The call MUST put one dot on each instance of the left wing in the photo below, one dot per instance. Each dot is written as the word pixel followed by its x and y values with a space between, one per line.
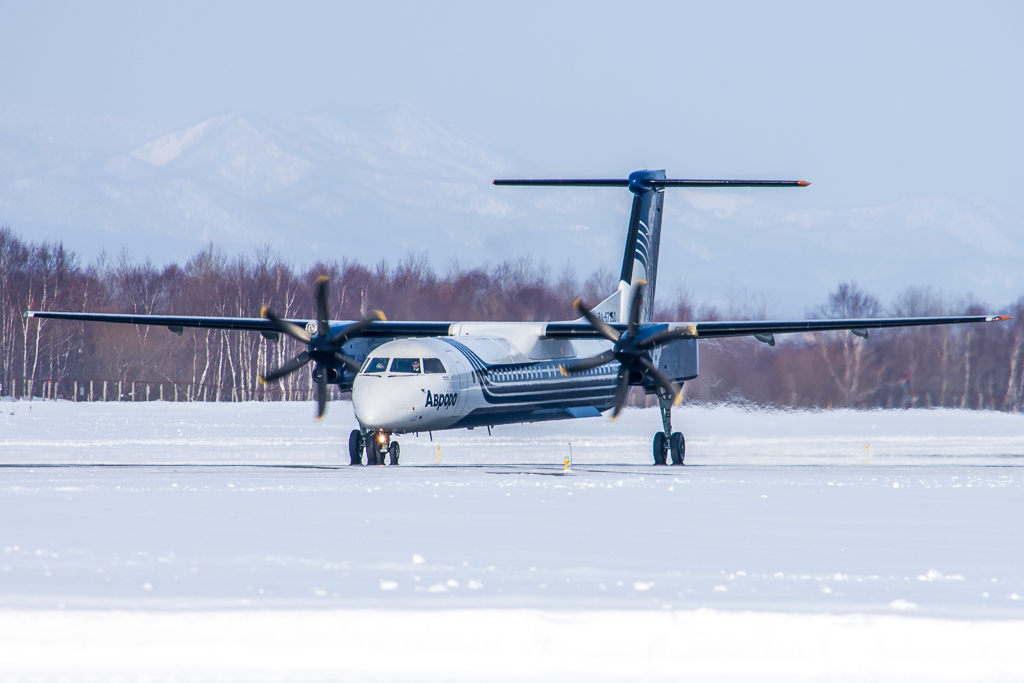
pixel 762 328
pixel 719 329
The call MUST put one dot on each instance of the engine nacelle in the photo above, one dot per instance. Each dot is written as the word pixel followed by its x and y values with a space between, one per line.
pixel 678 359
pixel 334 375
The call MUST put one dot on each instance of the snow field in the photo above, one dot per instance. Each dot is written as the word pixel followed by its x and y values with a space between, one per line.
pixel 501 645
pixel 228 542
pixel 209 433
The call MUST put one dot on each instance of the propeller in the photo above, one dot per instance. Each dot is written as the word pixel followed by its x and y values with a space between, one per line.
pixel 322 348
pixel 629 350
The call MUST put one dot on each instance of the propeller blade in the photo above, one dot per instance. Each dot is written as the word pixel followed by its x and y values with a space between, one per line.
pixel 621 390
pixel 286 369
pixel 587 363
pixel 354 329
pixel 321 394
pixel 662 379
pixel 688 332
pixel 345 360
pixel 322 326
pixel 636 300
pixel 602 327
pixel 291 329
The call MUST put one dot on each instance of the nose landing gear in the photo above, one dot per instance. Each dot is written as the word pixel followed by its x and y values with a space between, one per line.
pixel 378 446
pixel 668 443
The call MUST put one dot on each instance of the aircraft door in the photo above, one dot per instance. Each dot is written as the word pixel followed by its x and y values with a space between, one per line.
pixel 458 369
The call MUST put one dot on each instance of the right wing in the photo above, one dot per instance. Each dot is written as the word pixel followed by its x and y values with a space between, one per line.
pixel 176 323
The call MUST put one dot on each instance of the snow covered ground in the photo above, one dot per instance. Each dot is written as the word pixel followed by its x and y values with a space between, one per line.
pixel 231 542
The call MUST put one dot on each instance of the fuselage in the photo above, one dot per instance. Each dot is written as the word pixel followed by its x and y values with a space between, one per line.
pixel 471 380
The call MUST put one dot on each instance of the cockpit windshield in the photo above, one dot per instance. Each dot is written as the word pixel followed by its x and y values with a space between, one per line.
pixel 433 366
pixel 376 365
pixel 410 365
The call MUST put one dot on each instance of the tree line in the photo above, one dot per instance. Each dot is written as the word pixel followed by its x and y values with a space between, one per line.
pixel 967 366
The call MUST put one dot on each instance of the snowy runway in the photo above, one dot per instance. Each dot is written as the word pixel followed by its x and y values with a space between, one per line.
pixel 846 530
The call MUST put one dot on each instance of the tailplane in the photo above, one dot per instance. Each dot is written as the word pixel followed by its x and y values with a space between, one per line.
pixel 643 239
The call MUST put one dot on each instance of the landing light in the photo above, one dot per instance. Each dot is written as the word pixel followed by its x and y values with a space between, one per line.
pixel 380 438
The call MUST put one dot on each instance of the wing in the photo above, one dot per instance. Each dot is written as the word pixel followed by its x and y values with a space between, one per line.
pixel 559 330
pixel 764 328
pixel 176 323
pixel 719 329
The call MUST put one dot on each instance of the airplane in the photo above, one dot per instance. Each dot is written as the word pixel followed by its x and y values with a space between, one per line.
pixel 411 377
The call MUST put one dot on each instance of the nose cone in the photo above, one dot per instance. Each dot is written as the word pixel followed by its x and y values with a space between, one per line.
pixel 382 403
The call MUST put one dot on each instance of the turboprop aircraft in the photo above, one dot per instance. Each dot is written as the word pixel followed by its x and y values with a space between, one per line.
pixel 429 376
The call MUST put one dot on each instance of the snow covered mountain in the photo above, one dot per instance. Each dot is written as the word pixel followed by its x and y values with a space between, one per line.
pixel 384 183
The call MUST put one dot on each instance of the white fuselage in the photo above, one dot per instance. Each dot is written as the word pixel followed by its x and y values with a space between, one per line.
pixel 486 375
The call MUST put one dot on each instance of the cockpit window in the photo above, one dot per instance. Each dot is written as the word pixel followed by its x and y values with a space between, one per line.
pixel 406 365
pixel 376 365
pixel 433 366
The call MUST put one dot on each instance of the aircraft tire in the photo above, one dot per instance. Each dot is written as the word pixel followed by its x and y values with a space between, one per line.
pixel 660 448
pixel 394 450
pixel 677 446
pixel 355 447
pixel 372 451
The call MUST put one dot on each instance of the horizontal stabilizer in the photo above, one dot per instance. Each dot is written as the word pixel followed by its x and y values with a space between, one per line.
pixel 668 182
pixel 568 182
pixel 654 183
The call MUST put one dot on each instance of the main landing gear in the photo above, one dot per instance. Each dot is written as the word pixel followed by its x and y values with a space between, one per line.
pixel 378 446
pixel 668 443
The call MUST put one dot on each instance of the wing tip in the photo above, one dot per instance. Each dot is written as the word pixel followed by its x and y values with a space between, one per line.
pixel 998 318
pixel 803 183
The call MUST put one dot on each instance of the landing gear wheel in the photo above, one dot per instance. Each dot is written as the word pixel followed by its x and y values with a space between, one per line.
pixel 355 447
pixel 373 450
pixel 660 448
pixel 677 444
pixel 394 450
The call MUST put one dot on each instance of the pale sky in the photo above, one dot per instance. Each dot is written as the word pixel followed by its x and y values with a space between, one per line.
pixel 872 102
pixel 892 110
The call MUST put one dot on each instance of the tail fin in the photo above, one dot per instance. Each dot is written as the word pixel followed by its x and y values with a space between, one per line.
pixel 640 260
pixel 643 241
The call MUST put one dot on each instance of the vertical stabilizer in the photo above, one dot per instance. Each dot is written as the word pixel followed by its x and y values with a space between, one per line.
pixel 643 240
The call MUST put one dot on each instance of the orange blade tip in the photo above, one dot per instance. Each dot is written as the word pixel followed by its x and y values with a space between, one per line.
pixel 803 183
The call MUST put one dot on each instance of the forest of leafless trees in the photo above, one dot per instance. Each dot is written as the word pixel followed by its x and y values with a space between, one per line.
pixel 970 366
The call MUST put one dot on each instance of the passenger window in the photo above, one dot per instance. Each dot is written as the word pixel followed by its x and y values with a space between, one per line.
pixel 433 366
pixel 376 365
pixel 410 365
